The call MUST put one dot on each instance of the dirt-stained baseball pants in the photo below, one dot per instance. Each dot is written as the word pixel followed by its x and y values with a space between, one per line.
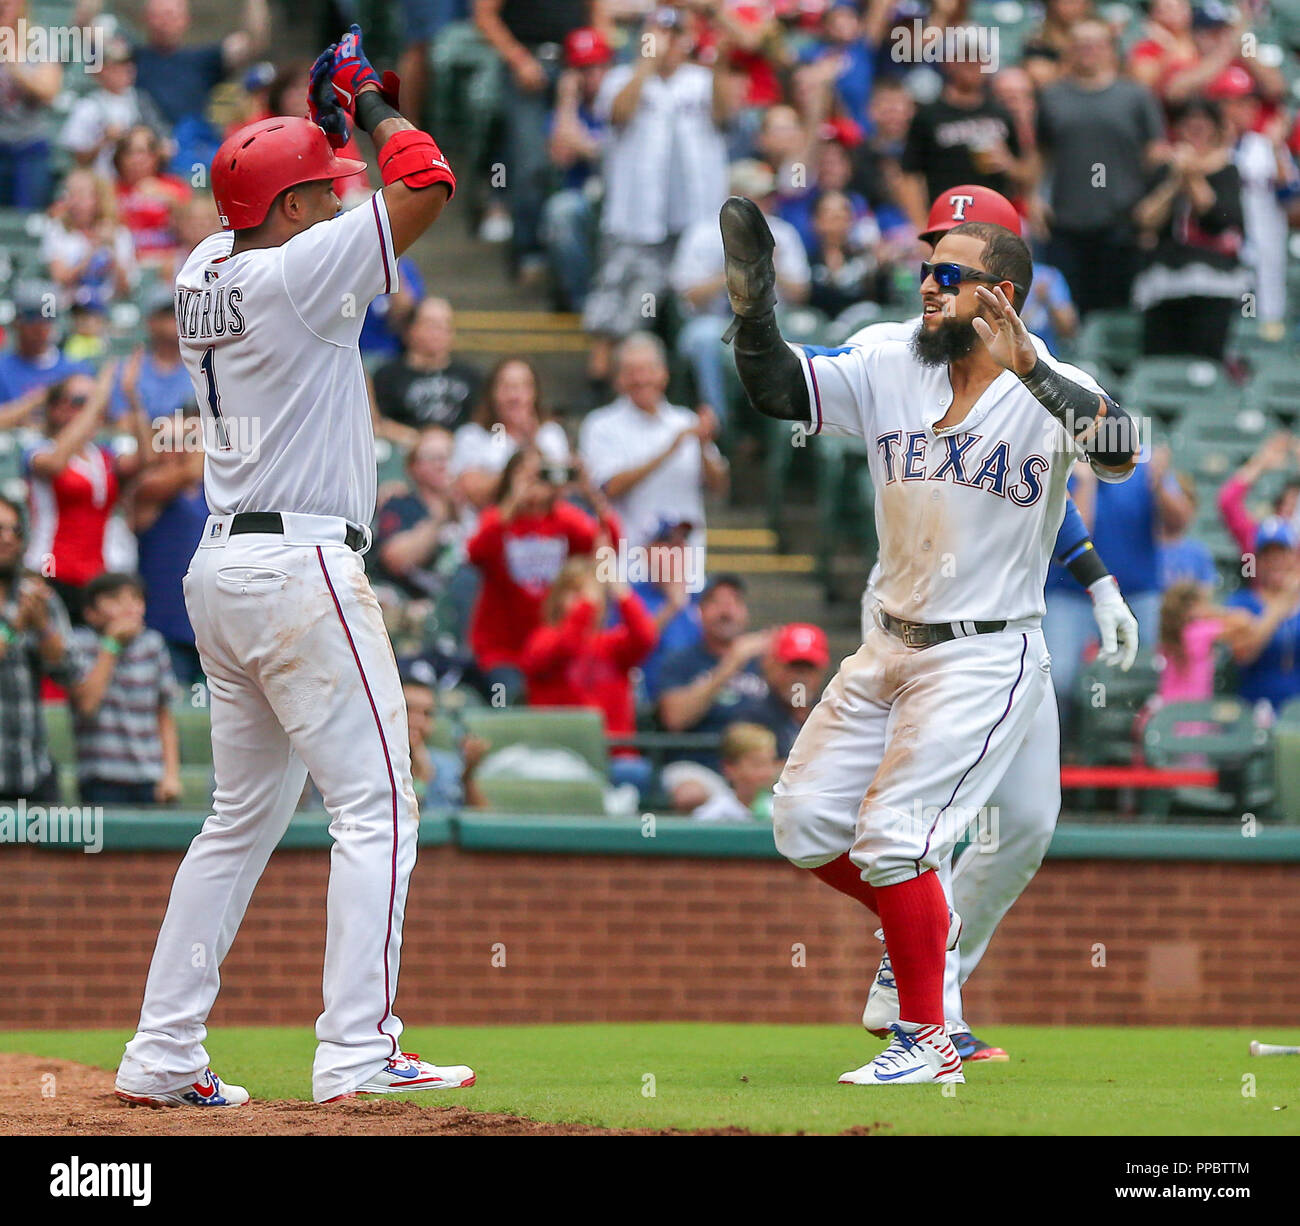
pixel 904 749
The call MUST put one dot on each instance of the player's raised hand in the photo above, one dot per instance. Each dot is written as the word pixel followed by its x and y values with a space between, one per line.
pixel 1006 337
pixel 350 70
pixel 323 106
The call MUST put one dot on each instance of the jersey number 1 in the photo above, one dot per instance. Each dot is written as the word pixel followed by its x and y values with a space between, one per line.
pixel 214 401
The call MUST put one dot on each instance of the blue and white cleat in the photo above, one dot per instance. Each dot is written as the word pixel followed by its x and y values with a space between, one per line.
pixel 922 1057
pixel 881 1011
pixel 208 1091
pixel 406 1073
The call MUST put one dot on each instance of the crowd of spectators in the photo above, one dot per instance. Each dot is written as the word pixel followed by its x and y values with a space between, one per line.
pixel 1152 160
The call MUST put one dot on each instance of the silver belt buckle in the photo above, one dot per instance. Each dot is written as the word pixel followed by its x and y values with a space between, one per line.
pixel 914 635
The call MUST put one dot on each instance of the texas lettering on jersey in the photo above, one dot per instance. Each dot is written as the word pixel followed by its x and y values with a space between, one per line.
pixel 966 459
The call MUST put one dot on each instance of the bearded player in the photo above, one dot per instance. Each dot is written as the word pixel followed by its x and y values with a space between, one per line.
pixel 299 665
pixel 987 879
pixel 971 434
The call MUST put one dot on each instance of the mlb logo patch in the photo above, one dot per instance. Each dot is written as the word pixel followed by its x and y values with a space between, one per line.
pixel 216 530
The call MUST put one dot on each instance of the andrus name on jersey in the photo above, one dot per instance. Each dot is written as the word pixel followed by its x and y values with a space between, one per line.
pixel 204 314
pixel 963 461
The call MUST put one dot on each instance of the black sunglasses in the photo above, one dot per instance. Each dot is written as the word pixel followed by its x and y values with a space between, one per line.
pixel 948 277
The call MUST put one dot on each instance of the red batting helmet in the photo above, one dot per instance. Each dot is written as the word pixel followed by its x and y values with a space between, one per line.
pixel 969 202
pixel 255 164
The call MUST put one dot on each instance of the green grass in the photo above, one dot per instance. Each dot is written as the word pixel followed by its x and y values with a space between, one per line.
pixel 1112 1080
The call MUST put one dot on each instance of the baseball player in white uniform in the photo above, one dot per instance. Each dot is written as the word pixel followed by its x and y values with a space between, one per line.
pixel 301 672
pixel 971 434
pixel 986 881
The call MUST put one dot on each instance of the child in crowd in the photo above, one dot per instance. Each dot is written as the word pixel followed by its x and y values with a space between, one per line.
pixel 128 752
pixel 1190 626
pixel 750 767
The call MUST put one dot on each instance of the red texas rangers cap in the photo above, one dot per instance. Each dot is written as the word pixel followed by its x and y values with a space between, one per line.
pixel 586 46
pixel 969 202
pixel 801 643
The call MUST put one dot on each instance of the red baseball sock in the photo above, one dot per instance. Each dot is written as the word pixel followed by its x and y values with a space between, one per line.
pixel 845 876
pixel 914 915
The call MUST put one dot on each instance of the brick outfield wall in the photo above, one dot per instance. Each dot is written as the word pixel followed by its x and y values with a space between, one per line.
pixel 620 938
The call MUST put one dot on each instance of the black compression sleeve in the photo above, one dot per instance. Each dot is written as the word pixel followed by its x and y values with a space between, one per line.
pixel 1109 436
pixel 769 372
pixel 372 110
pixel 1086 566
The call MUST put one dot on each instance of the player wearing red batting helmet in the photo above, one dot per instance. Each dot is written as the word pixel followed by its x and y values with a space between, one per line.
pixel 269 312
pixel 969 202
pixel 255 164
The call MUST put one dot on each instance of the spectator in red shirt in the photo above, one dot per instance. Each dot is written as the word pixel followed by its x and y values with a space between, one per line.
pixel 574 660
pixel 147 198
pixel 74 483
pixel 522 542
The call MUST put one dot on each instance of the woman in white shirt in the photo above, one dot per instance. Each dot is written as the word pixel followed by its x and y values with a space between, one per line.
pixel 90 256
pixel 510 416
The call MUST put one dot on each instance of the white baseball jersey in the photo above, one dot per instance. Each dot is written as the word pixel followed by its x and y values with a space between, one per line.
pixel 270 338
pixel 977 547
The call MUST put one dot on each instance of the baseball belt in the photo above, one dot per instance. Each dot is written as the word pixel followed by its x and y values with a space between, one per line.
pixel 924 634
pixel 270 521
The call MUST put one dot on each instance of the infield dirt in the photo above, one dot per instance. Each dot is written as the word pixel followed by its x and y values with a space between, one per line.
pixel 41 1097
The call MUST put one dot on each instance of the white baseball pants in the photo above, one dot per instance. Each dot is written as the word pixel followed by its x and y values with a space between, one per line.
pixel 302 679
pixel 905 748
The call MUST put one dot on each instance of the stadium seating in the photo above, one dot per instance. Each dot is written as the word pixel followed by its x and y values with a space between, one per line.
pixel 578 729
pixel 1222 733
pixel 1168 388
pixel 1108 701
pixel 1113 338
pixel 1286 763
pixel 573 797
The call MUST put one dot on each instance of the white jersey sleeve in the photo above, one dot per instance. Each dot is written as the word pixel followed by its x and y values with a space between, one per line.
pixel 840 397
pixel 334 270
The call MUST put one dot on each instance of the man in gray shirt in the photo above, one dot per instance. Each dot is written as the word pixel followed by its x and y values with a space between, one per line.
pixel 1097 135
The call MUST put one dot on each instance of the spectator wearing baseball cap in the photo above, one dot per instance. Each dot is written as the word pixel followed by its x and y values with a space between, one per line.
pixel 1270 181
pixel 1094 116
pixel 1265 636
pixel 719 680
pixel 1273 455
pixel 795 671
pixel 36 360
pixel 576 139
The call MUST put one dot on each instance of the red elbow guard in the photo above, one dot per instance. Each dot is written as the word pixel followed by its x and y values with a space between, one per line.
pixel 414 158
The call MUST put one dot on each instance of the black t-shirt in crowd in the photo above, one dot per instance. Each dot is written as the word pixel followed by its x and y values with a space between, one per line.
pixel 943 140
pixel 544 21
pixel 422 398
